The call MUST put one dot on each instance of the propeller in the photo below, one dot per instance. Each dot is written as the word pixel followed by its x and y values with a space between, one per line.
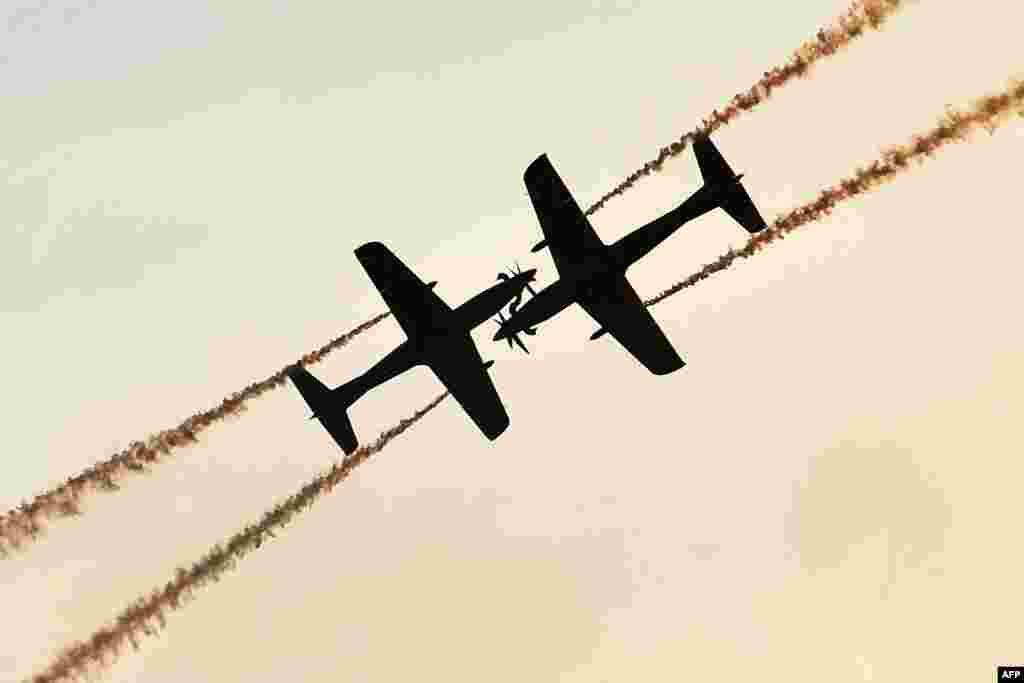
pixel 500 320
pixel 517 273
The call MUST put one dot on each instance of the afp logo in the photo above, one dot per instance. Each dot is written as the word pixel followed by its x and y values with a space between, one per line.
pixel 1014 674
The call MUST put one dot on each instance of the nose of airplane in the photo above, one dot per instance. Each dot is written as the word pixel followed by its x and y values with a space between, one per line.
pixel 498 336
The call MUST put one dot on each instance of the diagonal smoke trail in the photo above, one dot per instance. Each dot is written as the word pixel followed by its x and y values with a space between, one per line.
pixel 862 15
pixel 78 660
pixel 989 112
pixel 25 523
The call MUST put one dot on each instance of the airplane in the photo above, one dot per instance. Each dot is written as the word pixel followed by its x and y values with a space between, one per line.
pixel 593 274
pixel 437 336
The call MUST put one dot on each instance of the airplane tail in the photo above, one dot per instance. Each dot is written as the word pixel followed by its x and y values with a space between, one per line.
pixel 330 407
pixel 735 202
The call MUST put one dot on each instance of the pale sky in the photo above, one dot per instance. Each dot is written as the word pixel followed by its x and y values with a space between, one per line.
pixel 831 483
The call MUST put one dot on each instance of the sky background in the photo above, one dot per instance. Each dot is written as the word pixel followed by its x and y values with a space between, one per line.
pixel 831 483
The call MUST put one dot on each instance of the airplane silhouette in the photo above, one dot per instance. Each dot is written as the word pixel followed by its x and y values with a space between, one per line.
pixel 593 274
pixel 437 336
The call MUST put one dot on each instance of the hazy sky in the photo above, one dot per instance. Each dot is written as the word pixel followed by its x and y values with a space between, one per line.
pixel 832 482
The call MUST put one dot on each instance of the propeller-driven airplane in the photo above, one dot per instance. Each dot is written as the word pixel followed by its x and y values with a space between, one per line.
pixel 437 336
pixel 593 274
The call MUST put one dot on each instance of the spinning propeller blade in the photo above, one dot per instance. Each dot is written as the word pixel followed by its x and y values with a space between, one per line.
pixel 519 271
pixel 512 337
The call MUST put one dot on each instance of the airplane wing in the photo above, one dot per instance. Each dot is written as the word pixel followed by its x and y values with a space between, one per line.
pixel 715 169
pixel 620 312
pixel 413 303
pixel 461 370
pixel 566 229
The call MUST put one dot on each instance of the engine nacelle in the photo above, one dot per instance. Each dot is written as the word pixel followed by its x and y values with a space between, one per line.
pixel 540 245
pixel 597 334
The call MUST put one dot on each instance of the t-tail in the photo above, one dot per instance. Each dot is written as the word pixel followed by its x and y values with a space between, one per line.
pixel 330 407
pixel 734 200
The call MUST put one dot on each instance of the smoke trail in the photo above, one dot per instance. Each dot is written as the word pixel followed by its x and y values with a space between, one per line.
pixel 862 15
pixel 25 523
pixel 955 126
pixel 77 660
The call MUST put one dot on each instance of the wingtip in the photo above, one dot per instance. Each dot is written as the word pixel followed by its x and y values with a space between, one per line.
pixel 369 247
pixel 493 435
pixel 535 165
pixel 669 369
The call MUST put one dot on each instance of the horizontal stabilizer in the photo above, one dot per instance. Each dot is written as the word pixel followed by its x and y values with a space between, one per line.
pixel 739 205
pixel 716 171
pixel 327 407
pixel 339 426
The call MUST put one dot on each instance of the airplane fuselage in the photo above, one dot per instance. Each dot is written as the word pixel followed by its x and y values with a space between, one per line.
pixel 485 305
pixel 436 335
pixel 594 270
pixel 643 240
